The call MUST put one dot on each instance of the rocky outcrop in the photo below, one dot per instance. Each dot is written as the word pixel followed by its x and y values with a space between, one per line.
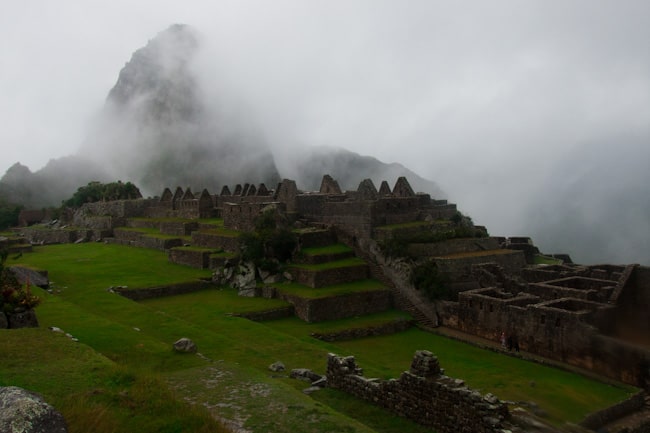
pixel 23 411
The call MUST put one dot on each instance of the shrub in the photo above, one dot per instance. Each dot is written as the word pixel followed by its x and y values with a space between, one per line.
pixel 269 244
pixel 426 278
pixel 12 294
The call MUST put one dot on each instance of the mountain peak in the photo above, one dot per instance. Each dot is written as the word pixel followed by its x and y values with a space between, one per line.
pixel 158 77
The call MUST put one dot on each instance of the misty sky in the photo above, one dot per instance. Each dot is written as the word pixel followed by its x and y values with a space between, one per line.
pixel 503 103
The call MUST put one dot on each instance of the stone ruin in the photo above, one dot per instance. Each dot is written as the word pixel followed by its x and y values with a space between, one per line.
pixel 423 394
pixel 581 315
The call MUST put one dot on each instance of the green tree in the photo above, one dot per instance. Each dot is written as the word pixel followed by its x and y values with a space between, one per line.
pixel 9 214
pixel 269 244
pixel 429 280
pixel 97 191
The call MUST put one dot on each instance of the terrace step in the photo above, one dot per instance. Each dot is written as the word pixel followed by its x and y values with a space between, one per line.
pixel 215 240
pixel 143 239
pixel 333 302
pixel 330 273
pixel 311 238
pixel 314 256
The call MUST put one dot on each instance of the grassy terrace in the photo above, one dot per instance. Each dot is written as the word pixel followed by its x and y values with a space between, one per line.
pixel 324 292
pixel 352 261
pixel 329 249
pixel 122 375
pixel 540 259
pixel 154 233
pixel 478 254
pixel 405 225
pixel 222 231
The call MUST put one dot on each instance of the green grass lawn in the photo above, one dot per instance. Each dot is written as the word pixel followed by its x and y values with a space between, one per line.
pixel 329 249
pixel 352 261
pixel 540 259
pixel 125 348
pixel 327 291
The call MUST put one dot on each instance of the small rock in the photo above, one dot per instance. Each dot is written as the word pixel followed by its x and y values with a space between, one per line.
pixel 277 366
pixel 311 389
pixel 320 383
pixel 491 398
pixel 185 345
pixel 304 374
pixel 287 276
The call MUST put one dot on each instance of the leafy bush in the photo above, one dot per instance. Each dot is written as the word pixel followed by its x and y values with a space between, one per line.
pixel 269 244
pixel 12 294
pixel 426 278
pixel 97 191
pixel 9 214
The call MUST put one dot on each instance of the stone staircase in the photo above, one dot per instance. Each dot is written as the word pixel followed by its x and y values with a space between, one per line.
pixel 400 301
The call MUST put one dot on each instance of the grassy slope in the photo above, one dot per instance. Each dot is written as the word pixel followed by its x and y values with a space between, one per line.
pixel 236 383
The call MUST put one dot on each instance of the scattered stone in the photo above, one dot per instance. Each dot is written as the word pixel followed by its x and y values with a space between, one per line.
pixel 136 329
pixel 305 374
pixel 277 366
pixel 23 411
pixel 287 276
pixel 311 389
pixel 321 383
pixel 185 345
pixel 491 398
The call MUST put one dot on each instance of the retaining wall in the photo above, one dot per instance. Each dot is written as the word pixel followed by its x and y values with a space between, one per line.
pixel 336 307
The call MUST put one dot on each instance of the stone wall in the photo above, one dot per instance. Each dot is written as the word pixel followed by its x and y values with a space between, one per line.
pixel 199 259
pixel 423 395
pixel 216 241
pixel 596 420
pixel 328 277
pixel 452 246
pixel 336 307
pixel 58 236
pixel 562 329
pixel 370 331
pixel 160 291
pixel 459 268
pixel 261 316
pixel 634 304
pixel 178 228
pixel 316 238
pixel 118 210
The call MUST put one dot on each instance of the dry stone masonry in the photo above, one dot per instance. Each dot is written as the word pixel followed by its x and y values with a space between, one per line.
pixel 423 394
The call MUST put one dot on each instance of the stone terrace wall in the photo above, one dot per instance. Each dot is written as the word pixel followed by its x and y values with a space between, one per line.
pixel 423 395
pixel 216 241
pixel 336 307
pixel 452 246
pixel 370 331
pixel 596 420
pixel 170 290
pixel 62 236
pixel 328 277
pixel 199 259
